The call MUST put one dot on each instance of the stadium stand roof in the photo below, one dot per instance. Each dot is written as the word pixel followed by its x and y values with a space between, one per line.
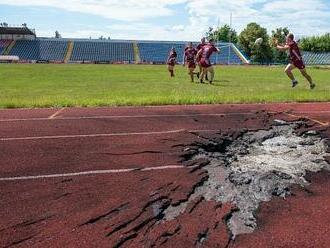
pixel 16 31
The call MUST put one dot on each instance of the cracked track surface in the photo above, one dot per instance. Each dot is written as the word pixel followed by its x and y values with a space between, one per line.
pixel 131 209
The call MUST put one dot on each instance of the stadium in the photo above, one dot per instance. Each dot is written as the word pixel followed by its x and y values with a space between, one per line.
pixel 31 49
pixel 108 143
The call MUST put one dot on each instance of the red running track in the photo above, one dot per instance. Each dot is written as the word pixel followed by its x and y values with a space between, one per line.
pixel 110 206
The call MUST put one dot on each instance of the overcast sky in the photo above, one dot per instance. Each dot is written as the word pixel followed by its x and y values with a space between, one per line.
pixel 162 19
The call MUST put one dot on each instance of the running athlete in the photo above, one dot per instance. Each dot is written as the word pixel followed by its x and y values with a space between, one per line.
pixel 198 48
pixel 205 54
pixel 190 59
pixel 296 60
pixel 171 61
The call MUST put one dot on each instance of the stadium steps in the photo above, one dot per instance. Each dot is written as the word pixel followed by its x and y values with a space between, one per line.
pixel 137 57
pixel 8 49
pixel 69 52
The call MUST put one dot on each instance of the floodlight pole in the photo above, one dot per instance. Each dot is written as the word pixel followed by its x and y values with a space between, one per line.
pixel 230 25
pixel 217 42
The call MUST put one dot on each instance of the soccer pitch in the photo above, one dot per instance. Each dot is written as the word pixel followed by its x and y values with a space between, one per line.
pixel 48 85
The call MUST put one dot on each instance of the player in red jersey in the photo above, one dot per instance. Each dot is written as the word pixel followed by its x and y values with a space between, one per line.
pixel 296 60
pixel 203 43
pixel 190 59
pixel 198 48
pixel 205 54
pixel 171 61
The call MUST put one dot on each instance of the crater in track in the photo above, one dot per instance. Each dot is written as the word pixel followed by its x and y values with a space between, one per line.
pixel 252 168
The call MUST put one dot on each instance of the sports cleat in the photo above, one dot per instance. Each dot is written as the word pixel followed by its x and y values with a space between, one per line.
pixel 294 84
pixel 313 86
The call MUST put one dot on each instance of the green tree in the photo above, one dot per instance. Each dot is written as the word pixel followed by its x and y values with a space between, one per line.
pixel 316 43
pixel 223 34
pixel 57 35
pixel 258 53
pixel 280 35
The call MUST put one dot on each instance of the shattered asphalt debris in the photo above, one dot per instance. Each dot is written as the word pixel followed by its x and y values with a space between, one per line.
pixel 252 168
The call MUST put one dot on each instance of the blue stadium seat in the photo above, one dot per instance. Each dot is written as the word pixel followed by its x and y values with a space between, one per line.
pixel 102 51
pixel 3 45
pixel 110 51
pixel 157 52
pixel 313 58
pixel 40 49
pixel 227 55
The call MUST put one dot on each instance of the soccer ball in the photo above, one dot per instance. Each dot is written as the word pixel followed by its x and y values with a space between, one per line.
pixel 259 41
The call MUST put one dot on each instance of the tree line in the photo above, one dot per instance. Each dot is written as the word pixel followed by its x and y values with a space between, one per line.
pixel 266 52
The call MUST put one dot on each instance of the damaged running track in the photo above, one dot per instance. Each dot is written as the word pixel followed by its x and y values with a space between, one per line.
pixel 135 209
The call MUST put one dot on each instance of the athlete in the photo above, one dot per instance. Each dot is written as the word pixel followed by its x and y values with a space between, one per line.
pixel 190 59
pixel 205 54
pixel 198 48
pixel 296 60
pixel 171 61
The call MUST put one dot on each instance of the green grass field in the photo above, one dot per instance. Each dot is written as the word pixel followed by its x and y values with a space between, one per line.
pixel 43 85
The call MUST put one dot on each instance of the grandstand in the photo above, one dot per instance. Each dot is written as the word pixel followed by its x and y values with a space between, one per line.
pixel 157 52
pixel 23 43
pixel 228 55
pixel 102 51
pixel 17 33
pixel 3 45
pixel 115 51
pixel 30 49
pixel 313 58
pixel 40 50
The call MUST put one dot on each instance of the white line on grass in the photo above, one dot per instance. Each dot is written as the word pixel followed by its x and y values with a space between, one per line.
pixel 95 172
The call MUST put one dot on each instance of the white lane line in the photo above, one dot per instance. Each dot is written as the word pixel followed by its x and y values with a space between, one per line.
pixel 95 172
pixel 91 135
pixel 129 116
pixel 56 113
pixel 324 124
pixel 155 116
pixel 107 135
